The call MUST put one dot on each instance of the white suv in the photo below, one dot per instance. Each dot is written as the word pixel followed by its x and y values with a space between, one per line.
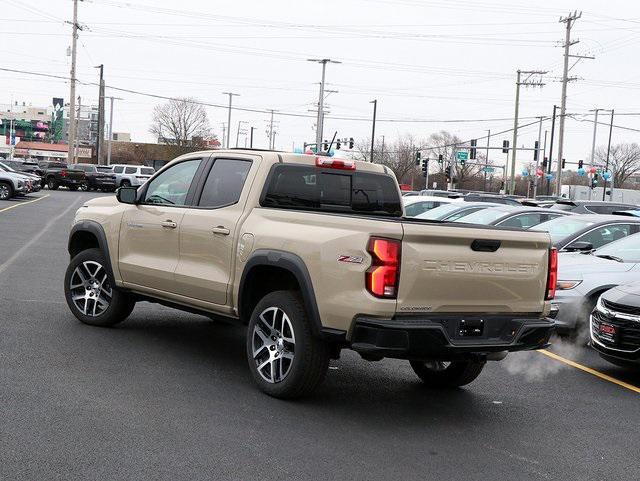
pixel 132 175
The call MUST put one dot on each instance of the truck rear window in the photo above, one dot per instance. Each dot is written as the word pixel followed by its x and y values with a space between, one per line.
pixel 292 186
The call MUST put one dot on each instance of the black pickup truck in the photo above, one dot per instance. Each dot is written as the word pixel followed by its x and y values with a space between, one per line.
pixel 59 174
pixel 98 178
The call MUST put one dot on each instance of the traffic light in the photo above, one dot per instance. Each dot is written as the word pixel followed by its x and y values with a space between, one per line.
pixel 536 146
pixel 418 155
pixel 337 143
pixel 564 162
pixel 447 174
pixel 325 145
pixel 544 163
pixel 505 146
pixel 351 142
pixel 594 181
pixel 425 165
pixel 580 164
pixel 462 161
pixel 472 151
pixel 440 158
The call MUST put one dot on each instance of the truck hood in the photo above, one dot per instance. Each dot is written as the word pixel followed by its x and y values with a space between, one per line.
pixel 575 265
pixel 107 201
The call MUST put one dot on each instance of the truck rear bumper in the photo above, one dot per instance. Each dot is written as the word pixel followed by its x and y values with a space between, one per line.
pixel 448 337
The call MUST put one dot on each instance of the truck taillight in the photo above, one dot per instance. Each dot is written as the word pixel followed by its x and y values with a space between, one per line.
pixel 63 173
pixel 340 164
pixel 384 274
pixel 552 276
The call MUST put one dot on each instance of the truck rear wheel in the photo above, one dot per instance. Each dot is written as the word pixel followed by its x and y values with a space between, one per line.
pixel 52 184
pixel 285 359
pixel 89 293
pixel 447 374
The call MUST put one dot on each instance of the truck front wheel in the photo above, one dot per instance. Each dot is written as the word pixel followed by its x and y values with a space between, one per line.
pixel 285 359
pixel 447 374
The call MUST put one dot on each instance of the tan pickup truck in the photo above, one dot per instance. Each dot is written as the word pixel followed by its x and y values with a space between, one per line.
pixel 314 255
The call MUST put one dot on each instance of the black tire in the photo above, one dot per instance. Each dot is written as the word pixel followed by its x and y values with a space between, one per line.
pixel 453 374
pixel 125 183
pixel 120 305
pixel 52 184
pixel 85 187
pixel 6 191
pixel 310 360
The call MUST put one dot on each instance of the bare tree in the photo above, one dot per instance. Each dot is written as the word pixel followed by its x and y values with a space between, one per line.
pixel 624 161
pixel 181 122
pixel 399 156
pixel 442 143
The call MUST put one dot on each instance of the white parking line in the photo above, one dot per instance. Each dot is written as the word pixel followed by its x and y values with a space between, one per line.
pixel 25 203
pixel 37 237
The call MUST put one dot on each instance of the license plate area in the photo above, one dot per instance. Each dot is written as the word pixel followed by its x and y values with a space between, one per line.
pixel 470 328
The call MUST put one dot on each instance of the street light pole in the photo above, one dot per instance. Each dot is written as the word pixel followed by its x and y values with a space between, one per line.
pixel 373 127
pixel 231 95
pixel 606 168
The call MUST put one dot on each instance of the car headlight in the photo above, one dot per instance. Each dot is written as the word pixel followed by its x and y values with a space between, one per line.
pixel 566 285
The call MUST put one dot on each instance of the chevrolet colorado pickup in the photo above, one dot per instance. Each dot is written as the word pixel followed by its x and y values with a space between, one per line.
pixel 314 255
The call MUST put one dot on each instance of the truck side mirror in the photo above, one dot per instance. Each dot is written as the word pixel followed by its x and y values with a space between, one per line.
pixel 127 195
pixel 579 246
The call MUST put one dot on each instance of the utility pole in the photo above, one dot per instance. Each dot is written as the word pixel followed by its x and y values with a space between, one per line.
pixel 486 160
pixel 231 95
pixel 373 129
pixel 77 141
pixel 271 134
pixel 251 138
pixel 320 121
pixel 100 136
pixel 240 122
pixel 550 159
pixel 569 20
pixel 72 94
pixel 606 167
pixel 526 83
pixel 110 128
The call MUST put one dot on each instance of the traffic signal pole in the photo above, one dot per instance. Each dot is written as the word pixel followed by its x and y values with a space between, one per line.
pixel 606 168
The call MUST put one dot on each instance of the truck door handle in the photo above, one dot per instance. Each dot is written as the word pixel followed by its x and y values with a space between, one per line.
pixel 220 230
pixel 169 224
pixel 485 245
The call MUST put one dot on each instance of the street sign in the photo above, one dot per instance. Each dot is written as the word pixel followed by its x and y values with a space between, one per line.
pixel 489 170
pixel 462 155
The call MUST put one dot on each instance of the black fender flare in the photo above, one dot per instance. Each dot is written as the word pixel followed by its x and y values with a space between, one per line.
pixel 296 266
pixel 98 231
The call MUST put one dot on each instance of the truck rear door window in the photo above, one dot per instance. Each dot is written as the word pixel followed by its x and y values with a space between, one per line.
pixel 306 187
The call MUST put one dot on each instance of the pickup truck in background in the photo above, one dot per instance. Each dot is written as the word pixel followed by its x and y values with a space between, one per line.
pixel 315 255
pixel 59 174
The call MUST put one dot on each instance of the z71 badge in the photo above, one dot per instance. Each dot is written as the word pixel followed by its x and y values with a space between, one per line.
pixel 350 259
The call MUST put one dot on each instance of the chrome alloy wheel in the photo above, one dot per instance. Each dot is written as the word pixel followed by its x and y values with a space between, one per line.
pixel 4 192
pixel 273 344
pixel 90 289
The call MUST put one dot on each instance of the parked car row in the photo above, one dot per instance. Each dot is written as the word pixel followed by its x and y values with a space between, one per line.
pixel 18 177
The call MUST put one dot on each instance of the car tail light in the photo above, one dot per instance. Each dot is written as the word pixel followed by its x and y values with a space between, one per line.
pixel 384 274
pixel 340 164
pixel 552 275
pixel 63 173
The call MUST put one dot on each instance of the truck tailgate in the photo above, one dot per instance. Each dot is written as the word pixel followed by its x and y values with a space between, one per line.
pixel 448 268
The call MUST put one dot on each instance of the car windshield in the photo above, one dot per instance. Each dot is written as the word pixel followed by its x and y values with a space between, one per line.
pixel 562 227
pixel 5 167
pixel 439 213
pixel 627 249
pixel 485 216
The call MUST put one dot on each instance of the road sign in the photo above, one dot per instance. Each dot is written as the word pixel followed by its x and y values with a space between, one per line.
pixel 462 155
pixel 489 170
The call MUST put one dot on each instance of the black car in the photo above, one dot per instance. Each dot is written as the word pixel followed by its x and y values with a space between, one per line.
pixel 591 206
pixel 615 324
pixel 97 179
pixel 24 166
pixel 588 231
pixel 510 216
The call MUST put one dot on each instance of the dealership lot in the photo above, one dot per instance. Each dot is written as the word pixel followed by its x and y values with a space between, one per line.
pixel 167 395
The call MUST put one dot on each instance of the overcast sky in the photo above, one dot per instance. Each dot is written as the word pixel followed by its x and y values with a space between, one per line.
pixel 422 60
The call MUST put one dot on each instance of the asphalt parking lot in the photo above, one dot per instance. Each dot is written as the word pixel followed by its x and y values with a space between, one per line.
pixel 167 395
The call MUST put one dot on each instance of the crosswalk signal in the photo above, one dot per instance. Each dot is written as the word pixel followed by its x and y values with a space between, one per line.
pixel 505 146
pixel 472 151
